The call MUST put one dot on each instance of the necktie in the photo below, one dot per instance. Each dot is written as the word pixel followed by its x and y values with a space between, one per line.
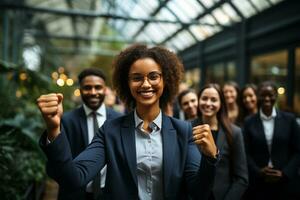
pixel 97 179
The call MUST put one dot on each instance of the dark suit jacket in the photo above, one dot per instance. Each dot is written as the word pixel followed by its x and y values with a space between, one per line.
pixel 231 178
pixel 74 123
pixel 114 145
pixel 285 151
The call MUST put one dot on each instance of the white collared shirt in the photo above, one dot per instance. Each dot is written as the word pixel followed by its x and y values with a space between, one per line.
pixel 268 125
pixel 101 117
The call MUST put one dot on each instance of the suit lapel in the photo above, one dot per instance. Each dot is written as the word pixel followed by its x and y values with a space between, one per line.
pixel 169 143
pixel 277 130
pixel 83 126
pixel 220 139
pixel 261 133
pixel 108 113
pixel 128 141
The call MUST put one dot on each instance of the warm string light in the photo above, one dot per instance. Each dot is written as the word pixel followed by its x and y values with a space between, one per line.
pixel 60 78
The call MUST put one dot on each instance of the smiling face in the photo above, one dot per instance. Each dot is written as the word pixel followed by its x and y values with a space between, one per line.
pixel 230 94
pixel 146 83
pixel 92 90
pixel 267 97
pixel 189 105
pixel 250 99
pixel 209 103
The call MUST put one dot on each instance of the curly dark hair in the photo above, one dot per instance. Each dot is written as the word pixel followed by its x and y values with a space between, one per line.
pixel 172 72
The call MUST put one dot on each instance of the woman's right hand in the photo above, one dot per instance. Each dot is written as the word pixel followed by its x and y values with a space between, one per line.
pixel 51 108
pixel 203 138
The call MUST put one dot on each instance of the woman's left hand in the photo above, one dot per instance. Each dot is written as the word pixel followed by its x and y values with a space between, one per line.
pixel 203 138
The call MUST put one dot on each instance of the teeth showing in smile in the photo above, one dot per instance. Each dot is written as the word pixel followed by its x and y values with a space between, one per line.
pixel 146 93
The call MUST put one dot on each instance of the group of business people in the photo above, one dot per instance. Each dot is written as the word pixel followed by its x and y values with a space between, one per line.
pixel 272 140
pixel 148 154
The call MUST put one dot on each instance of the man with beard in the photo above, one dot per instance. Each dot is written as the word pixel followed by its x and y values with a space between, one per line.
pixel 80 124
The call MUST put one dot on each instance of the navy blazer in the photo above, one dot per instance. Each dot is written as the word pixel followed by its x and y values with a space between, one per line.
pixel 114 145
pixel 285 150
pixel 74 123
pixel 231 180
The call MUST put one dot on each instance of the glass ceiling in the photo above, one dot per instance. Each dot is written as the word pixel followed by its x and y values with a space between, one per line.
pixel 176 24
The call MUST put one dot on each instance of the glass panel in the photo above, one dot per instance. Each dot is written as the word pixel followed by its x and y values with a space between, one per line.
pixel 215 73
pixel 150 6
pixel 297 83
pixel 261 5
pixel 275 1
pixel 131 28
pixel 157 33
pixel 183 40
pixel 221 17
pixel 181 10
pixel 192 78
pixel 231 12
pixel 245 7
pixel 143 37
pixel 208 3
pixel 198 32
pixel 231 70
pixel 208 19
pixel 165 14
pixel 271 66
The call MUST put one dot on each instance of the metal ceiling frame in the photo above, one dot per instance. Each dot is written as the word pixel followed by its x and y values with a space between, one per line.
pixel 91 14
pixel 184 27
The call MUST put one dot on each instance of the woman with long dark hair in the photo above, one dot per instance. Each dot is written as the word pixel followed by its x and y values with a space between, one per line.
pixel 231 177
pixel 248 101
pixel 231 93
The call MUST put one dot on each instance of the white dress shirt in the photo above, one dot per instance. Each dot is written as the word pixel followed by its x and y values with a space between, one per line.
pixel 268 125
pixel 101 117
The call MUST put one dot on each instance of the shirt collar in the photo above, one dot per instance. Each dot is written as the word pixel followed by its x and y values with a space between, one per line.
pixel 264 117
pixel 156 122
pixel 100 111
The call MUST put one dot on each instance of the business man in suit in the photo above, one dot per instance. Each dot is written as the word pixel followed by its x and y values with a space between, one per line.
pixel 272 140
pixel 79 127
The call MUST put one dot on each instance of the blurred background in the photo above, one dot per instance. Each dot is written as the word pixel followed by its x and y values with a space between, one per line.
pixel 44 44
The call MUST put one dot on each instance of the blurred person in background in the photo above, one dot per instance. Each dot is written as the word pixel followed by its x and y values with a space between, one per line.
pixel 231 93
pixel 188 102
pixel 177 112
pixel 272 140
pixel 231 179
pixel 112 101
pixel 249 100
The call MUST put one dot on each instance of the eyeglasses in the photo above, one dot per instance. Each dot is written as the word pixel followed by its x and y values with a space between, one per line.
pixel 153 78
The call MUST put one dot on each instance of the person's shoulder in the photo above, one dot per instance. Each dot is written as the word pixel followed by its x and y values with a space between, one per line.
pixel 73 113
pixel 236 131
pixel 113 113
pixel 179 124
pixel 251 118
pixel 118 120
pixel 235 128
pixel 285 114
